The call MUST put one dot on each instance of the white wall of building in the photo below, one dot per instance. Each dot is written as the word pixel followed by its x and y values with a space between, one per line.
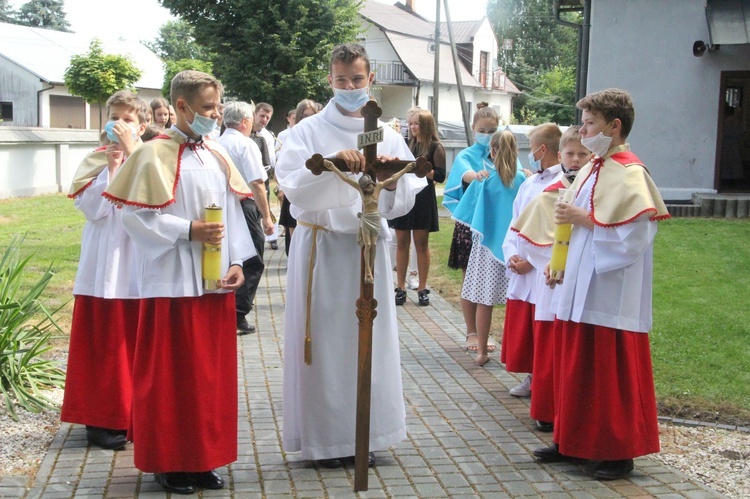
pixel 40 161
pixel 645 47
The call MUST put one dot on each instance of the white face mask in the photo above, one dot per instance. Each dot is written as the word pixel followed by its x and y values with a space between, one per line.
pixel 598 144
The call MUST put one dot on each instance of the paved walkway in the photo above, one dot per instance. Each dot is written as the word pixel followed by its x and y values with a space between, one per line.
pixel 466 436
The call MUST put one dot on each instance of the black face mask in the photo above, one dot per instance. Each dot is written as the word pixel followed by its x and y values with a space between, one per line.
pixel 570 175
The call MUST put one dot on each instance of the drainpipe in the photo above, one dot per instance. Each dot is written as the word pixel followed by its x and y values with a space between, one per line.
pixel 39 103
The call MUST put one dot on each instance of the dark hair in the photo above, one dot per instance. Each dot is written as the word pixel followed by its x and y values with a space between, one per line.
pixel 263 106
pixel 348 53
pixel 611 103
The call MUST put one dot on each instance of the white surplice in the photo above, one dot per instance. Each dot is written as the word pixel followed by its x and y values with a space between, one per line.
pixel 106 265
pixel 320 399
pixel 168 263
pixel 521 286
pixel 603 262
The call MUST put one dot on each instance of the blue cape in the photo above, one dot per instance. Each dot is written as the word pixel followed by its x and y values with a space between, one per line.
pixel 487 207
pixel 469 159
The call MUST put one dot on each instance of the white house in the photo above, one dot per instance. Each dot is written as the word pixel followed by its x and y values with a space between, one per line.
pixel 32 64
pixel 400 44
pixel 687 65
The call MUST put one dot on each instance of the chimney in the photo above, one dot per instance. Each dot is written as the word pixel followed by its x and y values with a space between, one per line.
pixel 410 5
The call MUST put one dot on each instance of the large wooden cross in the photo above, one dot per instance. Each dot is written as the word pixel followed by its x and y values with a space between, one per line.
pixel 366 304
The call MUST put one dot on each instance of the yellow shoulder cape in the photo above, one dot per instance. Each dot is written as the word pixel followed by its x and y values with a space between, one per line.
pixel 623 189
pixel 536 223
pixel 149 177
pixel 90 168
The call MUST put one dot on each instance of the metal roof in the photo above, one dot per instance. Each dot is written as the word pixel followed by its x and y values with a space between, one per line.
pixel 397 19
pixel 418 60
pixel 463 31
pixel 46 53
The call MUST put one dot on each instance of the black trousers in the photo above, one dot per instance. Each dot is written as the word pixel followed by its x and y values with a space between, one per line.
pixel 252 268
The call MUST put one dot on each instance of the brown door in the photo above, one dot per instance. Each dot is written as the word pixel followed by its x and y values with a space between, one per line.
pixel 733 149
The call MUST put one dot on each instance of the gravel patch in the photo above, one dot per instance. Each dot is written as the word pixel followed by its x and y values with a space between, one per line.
pixel 715 457
pixel 25 442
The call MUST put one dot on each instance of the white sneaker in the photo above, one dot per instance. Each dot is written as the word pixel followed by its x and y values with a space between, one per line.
pixel 412 282
pixel 522 390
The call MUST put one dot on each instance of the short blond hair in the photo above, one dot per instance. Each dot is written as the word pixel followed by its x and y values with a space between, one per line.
pixel 548 134
pixel 572 134
pixel 188 83
pixel 131 101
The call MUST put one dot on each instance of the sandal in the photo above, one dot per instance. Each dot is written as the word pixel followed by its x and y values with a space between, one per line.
pixel 471 347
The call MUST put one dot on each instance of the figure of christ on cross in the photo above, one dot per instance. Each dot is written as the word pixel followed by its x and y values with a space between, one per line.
pixel 369 225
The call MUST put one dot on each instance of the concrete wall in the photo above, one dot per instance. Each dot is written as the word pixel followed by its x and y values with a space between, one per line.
pixel 645 47
pixel 40 161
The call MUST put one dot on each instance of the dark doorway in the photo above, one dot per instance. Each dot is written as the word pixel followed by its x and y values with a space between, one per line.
pixel 733 151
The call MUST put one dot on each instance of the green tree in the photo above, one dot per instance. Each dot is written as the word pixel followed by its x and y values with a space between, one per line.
pixel 6 12
pixel 268 50
pixel 43 14
pixel 540 46
pixel 95 76
pixel 171 68
pixel 176 41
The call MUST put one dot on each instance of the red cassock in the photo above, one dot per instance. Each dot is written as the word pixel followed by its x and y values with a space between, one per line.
pixel 102 341
pixel 620 421
pixel 518 337
pixel 185 378
pixel 542 389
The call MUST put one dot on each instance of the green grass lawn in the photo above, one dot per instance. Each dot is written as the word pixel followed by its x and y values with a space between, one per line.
pixel 701 336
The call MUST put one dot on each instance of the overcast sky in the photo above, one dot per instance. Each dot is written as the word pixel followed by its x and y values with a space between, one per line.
pixel 141 19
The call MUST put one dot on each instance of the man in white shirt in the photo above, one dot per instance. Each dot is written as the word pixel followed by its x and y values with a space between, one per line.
pixel 238 120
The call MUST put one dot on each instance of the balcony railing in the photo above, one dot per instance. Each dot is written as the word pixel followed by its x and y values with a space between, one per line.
pixel 390 72
pixel 493 79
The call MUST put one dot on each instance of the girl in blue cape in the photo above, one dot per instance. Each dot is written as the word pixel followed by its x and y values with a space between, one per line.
pixel 486 207
pixel 467 167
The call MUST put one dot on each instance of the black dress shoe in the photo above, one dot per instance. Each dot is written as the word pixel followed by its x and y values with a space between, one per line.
pixel 106 438
pixel 208 480
pixel 370 459
pixel 552 454
pixel 613 470
pixel 544 426
pixel 177 483
pixel 243 327
pixel 333 463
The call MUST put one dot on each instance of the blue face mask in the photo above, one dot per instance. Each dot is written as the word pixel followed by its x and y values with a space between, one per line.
pixel 201 125
pixel 535 164
pixel 109 127
pixel 351 100
pixel 483 139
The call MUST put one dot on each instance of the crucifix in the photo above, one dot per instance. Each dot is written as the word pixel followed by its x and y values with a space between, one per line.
pixel 366 304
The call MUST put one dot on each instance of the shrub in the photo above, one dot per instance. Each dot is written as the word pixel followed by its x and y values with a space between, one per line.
pixel 26 328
